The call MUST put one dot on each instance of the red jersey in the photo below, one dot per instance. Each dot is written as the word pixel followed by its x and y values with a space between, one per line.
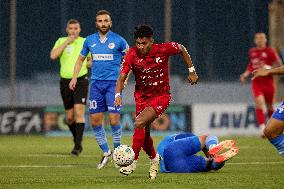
pixel 262 58
pixel 151 70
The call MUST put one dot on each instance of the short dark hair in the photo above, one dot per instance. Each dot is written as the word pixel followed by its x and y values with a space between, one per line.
pixel 260 32
pixel 102 12
pixel 142 31
pixel 73 21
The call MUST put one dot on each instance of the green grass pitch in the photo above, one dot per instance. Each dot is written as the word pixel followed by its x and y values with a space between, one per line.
pixel 44 162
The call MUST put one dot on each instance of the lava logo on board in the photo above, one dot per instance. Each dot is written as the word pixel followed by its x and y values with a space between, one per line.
pixel 233 119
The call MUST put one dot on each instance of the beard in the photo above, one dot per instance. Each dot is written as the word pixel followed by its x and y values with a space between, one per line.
pixel 103 29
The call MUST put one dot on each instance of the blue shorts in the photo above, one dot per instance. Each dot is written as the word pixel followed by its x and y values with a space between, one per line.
pixel 179 156
pixel 164 144
pixel 279 112
pixel 101 98
pixel 178 153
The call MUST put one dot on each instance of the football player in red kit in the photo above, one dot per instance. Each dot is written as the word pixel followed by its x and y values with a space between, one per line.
pixel 263 88
pixel 149 64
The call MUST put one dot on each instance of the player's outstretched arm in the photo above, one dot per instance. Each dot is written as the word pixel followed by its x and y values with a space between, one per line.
pixel 265 72
pixel 244 76
pixel 77 69
pixel 56 52
pixel 192 77
pixel 119 87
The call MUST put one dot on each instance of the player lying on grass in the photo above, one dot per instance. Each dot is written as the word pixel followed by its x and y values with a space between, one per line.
pixel 178 153
pixel 275 126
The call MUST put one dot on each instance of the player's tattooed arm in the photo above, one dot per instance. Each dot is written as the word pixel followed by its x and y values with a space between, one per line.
pixel 118 89
pixel 192 77
pixel 265 72
pixel 56 52
pixel 276 64
pixel 77 68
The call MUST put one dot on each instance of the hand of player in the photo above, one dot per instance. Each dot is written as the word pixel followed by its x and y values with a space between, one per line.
pixel 118 101
pixel 71 38
pixel 243 78
pixel 260 73
pixel 72 84
pixel 192 78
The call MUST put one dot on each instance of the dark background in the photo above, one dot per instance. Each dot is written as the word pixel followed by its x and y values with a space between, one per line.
pixel 217 34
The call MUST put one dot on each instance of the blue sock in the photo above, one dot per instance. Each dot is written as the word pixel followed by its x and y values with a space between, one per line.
pixel 278 142
pixel 101 137
pixel 211 139
pixel 116 135
pixel 216 166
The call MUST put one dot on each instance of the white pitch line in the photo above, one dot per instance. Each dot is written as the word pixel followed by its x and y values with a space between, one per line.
pixel 58 155
pixel 140 165
pixel 98 156
pixel 36 166
pixel 256 163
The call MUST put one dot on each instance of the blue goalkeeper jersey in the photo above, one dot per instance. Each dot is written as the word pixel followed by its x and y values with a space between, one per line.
pixel 106 55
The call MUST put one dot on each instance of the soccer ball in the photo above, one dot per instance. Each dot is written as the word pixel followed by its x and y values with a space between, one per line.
pixel 123 155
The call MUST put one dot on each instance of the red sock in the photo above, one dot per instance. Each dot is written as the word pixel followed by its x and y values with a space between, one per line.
pixel 260 116
pixel 138 141
pixel 270 112
pixel 148 147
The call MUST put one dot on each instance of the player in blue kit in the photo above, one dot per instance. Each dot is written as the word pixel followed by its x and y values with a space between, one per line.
pixel 275 126
pixel 178 153
pixel 107 49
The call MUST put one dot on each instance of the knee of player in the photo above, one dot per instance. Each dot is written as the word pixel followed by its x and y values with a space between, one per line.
pixel 79 116
pixel 202 140
pixel 114 122
pixel 139 124
pixel 69 120
pixel 270 106
pixel 268 133
pixel 96 122
pixel 271 134
pixel 80 119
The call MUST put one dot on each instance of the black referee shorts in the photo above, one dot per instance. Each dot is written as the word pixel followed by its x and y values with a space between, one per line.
pixel 78 96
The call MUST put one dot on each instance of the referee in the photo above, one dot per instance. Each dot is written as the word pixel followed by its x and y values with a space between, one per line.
pixel 67 49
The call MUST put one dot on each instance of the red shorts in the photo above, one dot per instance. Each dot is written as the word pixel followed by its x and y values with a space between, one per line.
pixel 267 90
pixel 159 103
